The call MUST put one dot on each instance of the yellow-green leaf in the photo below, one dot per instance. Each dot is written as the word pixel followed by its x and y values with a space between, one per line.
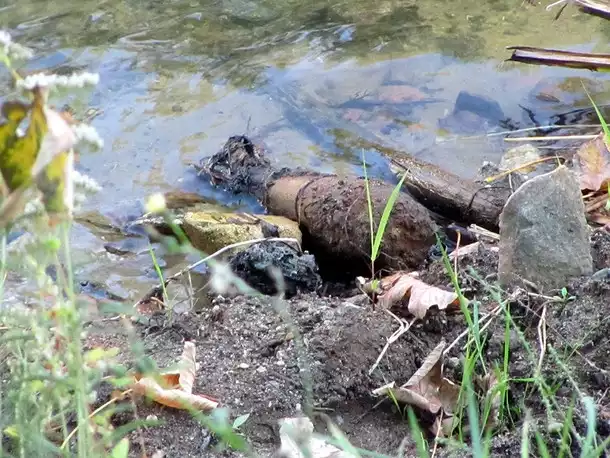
pixel 52 180
pixel 19 154
pixel 14 112
pixel 11 431
pixel 121 450
pixel 97 354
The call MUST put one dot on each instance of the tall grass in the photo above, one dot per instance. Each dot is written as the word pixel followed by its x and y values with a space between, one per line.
pixel 378 232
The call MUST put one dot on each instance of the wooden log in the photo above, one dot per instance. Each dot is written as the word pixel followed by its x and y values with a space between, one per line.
pixel 447 194
pixel 332 211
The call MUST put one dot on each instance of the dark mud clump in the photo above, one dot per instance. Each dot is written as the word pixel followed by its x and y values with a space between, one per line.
pixel 256 265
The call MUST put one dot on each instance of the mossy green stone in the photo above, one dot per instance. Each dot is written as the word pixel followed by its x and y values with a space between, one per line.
pixel 211 231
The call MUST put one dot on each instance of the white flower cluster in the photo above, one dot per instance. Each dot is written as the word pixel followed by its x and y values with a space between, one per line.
pixel 85 183
pixel 156 203
pixel 33 207
pixel 87 133
pixel 221 278
pixel 77 80
pixel 12 49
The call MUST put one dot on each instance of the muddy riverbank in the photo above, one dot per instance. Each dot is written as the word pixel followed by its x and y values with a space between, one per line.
pixel 249 359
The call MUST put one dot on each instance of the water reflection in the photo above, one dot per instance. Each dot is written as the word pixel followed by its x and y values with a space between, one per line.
pixel 304 78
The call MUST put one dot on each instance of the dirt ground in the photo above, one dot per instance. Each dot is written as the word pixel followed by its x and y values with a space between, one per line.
pixel 250 361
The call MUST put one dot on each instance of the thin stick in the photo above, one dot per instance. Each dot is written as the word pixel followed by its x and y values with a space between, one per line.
pixel 480 231
pixel 552 5
pixel 230 247
pixel 550 138
pixel 438 434
pixel 93 414
pixel 596 202
pixel 404 327
pixel 542 337
pixel 530 129
pixel 516 169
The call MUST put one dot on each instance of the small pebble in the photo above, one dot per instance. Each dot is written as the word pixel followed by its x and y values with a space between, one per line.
pixel 601 275
pixel 243 366
pixel 196 16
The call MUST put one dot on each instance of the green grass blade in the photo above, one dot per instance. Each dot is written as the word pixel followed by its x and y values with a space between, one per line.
pixel 385 217
pixel 602 121
pixel 369 203
pixel 542 448
pixel 417 435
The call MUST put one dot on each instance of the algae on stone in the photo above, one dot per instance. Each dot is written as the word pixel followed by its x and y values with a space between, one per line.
pixel 211 231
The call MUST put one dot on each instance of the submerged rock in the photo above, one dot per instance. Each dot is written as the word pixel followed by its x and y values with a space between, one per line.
pixel 254 264
pixel 472 113
pixel 519 156
pixel 544 237
pixel 481 105
pixel 211 231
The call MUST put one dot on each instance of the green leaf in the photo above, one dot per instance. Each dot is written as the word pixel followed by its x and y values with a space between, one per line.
pixel 542 447
pixel 239 421
pixel 417 435
pixel 121 450
pixel 18 154
pixel 343 441
pixel 11 431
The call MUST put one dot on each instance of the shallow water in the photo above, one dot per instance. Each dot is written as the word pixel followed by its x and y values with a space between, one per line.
pixel 306 78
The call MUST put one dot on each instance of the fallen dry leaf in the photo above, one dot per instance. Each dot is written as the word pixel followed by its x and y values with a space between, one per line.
pixel 421 296
pixel 149 306
pixel 174 388
pixel 599 217
pixel 397 93
pixel 353 114
pixel 592 164
pixel 296 438
pixel 428 390
pixel 186 377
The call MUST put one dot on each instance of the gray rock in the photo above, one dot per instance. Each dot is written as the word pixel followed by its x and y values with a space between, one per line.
pixel 544 237
pixel 481 105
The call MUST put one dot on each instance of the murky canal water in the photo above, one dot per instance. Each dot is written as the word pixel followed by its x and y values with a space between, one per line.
pixel 304 77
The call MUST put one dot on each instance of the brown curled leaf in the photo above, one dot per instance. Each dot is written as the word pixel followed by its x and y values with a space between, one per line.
pixel 174 388
pixel 421 296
